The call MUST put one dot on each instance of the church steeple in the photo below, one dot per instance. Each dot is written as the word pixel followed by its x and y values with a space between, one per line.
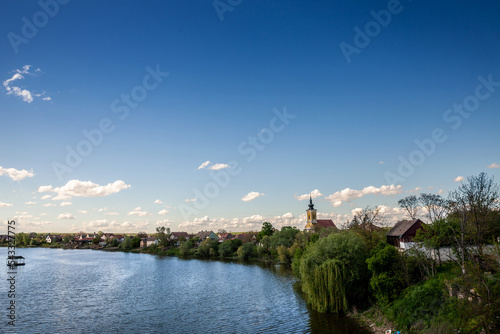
pixel 311 216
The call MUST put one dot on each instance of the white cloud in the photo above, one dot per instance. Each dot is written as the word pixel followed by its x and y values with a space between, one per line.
pixel 137 212
pixel 77 188
pixel 314 194
pixel 25 94
pixel 416 190
pixel 494 165
pixel 381 162
pixel 4 205
pixel 83 211
pixel 30 203
pixel 111 213
pixel 102 209
pixel 158 202
pixel 190 200
pixel 163 222
pixel 216 166
pixel 288 215
pixel 46 197
pixel 66 216
pixel 163 212
pixel 459 179
pixel 15 174
pixel 251 196
pixel 66 203
pixel 204 165
pixel 49 205
pixel 347 194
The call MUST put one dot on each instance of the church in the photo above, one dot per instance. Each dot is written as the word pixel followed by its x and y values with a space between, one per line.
pixel 314 224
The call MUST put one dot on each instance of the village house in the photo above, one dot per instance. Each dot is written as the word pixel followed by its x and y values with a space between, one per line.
pixel 225 236
pixel 52 238
pixel 402 234
pixel 149 241
pixel 207 234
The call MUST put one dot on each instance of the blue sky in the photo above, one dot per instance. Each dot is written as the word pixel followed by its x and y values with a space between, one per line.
pixel 283 99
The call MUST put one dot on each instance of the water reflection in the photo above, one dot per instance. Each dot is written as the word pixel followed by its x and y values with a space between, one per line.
pixel 77 291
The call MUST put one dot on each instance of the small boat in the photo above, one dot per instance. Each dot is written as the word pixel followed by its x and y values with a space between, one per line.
pixel 15 261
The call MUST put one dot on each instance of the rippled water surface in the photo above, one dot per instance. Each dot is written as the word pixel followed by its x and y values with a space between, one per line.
pixel 84 291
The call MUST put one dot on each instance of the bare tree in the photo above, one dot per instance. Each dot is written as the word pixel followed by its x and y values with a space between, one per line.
pixel 410 204
pixel 435 206
pixel 367 217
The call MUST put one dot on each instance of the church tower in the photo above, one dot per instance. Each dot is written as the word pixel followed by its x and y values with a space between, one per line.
pixel 311 216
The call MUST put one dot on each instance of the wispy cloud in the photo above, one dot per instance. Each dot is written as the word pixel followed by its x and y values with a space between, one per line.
pixel 494 165
pixel 347 194
pixel 138 212
pixel 314 194
pixel 4 205
pixel 216 166
pixel 66 216
pixel 24 94
pixel 77 188
pixel 158 202
pixel 251 196
pixel 163 212
pixel 65 203
pixel 459 179
pixel 16 174
pixel 190 200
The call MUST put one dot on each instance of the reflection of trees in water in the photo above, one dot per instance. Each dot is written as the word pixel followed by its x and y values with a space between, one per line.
pixel 328 322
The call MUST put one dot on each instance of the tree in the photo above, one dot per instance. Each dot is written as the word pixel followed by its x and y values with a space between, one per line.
pixel 267 229
pixel 410 204
pixel 142 234
pixel 66 239
pixel 246 251
pixel 333 272
pixel 387 279
pixel 163 236
pixel 436 206
pixel 100 233
pixel 136 242
pixel 221 230
pixel 96 240
pixel 226 248
pixel 126 244
pixel 285 237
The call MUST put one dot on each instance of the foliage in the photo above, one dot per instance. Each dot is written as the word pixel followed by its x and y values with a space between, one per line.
pixel 285 237
pixel 96 240
pixel 333 272
pixel 267 230
pixel 185 248
pixel 163 235
pixel 387 279
pixel 246 251
pixel 226 248
pixel 136 242
pixel 126 244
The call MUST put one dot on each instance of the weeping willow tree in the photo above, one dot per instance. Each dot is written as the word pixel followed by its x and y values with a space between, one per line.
pixel 333 273
pixel 324 285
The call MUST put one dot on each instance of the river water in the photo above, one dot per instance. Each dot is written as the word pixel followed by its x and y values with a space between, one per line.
pixel 85 291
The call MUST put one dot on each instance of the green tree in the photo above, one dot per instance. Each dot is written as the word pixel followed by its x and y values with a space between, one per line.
pixel 226 248
pixel 185 248
pixel 285 237
pixel 126 243
pixel 334 274
pixel 136 242
pixel 246 251
pixel 267 229
pixel 387 279
pixel 163 236
pixel 66 239
pixel 96 240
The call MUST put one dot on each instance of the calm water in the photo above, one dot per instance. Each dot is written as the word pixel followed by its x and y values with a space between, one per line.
pixel 84 291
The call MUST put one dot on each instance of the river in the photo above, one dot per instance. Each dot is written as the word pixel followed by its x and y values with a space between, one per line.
pixel 85 291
